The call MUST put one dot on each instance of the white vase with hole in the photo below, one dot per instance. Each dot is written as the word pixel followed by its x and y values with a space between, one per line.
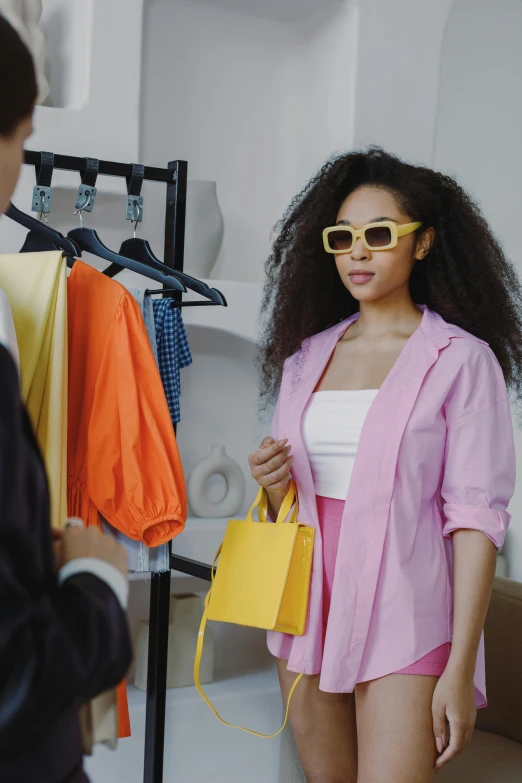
pixel 204 228
pixel 220 463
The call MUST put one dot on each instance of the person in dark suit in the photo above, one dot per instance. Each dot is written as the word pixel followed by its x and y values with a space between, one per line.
pixel 64 635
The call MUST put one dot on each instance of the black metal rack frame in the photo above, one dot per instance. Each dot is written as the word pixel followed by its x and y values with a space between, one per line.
pixel 175 177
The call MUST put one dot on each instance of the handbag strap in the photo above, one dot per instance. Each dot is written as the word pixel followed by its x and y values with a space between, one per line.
pixel 197 680
pixel 261 502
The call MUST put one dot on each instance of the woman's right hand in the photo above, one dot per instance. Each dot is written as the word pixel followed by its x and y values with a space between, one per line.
pixel 270 465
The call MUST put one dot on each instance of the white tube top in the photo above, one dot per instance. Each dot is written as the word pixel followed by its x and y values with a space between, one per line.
pixel 331 430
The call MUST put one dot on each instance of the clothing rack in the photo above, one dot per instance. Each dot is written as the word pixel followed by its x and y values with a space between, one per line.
pixel 175 177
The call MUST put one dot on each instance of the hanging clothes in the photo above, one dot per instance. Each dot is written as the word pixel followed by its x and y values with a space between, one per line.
pixel 7 329
pixel 173 351
pixel 147 311
pixel 36 285
pixel 141 558
pixel 123 459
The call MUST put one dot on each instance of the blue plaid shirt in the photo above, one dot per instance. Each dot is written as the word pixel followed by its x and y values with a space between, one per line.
pixel 173 350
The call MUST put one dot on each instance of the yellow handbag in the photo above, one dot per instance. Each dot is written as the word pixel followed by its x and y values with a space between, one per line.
pixel 262 579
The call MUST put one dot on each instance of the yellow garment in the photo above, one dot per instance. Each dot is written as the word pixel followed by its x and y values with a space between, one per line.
pixel 36 285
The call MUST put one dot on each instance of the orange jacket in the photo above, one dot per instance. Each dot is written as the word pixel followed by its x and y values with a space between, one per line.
pixel 122 456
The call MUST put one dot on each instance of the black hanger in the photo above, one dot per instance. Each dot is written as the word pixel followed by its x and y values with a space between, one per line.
pixel 88 240
pixel 140 250
pixel 194 303
pixel 38 239
pixel 41 236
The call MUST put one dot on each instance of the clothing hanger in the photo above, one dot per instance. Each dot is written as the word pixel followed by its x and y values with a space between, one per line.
pixel 88 240
pixel 140 250
pixel 41 236
pixel 196 302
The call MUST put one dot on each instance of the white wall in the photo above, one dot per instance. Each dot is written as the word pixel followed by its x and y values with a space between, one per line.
pixel 478 132
pixel 399 50
pixel 249 102
pixel 68 28
pixel 325 72
pixel 94 65
pixel 284 10
pixel 258 95
pixel 211 96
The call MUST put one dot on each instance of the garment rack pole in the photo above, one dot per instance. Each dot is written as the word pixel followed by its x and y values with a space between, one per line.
pixel 175 177
pixel 160 583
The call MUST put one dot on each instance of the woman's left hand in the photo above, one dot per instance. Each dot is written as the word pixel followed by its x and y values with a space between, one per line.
pixel 454 697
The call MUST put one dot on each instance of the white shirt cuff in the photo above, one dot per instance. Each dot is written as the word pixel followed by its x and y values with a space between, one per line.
pixel 103 570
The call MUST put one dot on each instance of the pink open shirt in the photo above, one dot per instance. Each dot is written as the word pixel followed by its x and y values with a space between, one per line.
pixel 436 454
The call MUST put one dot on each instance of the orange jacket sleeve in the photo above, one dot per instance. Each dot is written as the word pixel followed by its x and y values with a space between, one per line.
pixel 141 488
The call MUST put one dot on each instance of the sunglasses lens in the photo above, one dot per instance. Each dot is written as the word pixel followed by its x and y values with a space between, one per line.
pixel 379 236
pixel 340 240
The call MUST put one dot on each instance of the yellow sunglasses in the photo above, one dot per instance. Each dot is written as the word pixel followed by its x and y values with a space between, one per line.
pixel 375 236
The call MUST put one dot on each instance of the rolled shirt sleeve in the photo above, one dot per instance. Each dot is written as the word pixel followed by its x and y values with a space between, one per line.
pixel 479 473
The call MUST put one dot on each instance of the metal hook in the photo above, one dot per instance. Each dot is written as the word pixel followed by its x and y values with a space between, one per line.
pixel 84 206
pixel 42 211
pixel 137 213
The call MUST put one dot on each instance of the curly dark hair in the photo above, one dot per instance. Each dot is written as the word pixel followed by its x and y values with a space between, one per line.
pixel 466 277
pixel 18 87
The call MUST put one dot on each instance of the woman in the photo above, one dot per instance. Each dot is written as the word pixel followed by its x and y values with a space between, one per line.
pixel 394 341
pixel 63 630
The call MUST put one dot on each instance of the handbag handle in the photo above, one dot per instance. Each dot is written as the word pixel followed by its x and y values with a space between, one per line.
pixel 261 502
pixel 197 663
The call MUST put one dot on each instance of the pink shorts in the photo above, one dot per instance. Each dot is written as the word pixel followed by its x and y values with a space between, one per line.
pixel 330 515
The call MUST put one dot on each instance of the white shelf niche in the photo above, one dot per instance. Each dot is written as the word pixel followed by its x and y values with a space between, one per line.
pixel 219 398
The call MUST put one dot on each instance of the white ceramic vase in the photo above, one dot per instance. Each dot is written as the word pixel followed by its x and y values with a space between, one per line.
pixel 204 228
pixel 218 462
